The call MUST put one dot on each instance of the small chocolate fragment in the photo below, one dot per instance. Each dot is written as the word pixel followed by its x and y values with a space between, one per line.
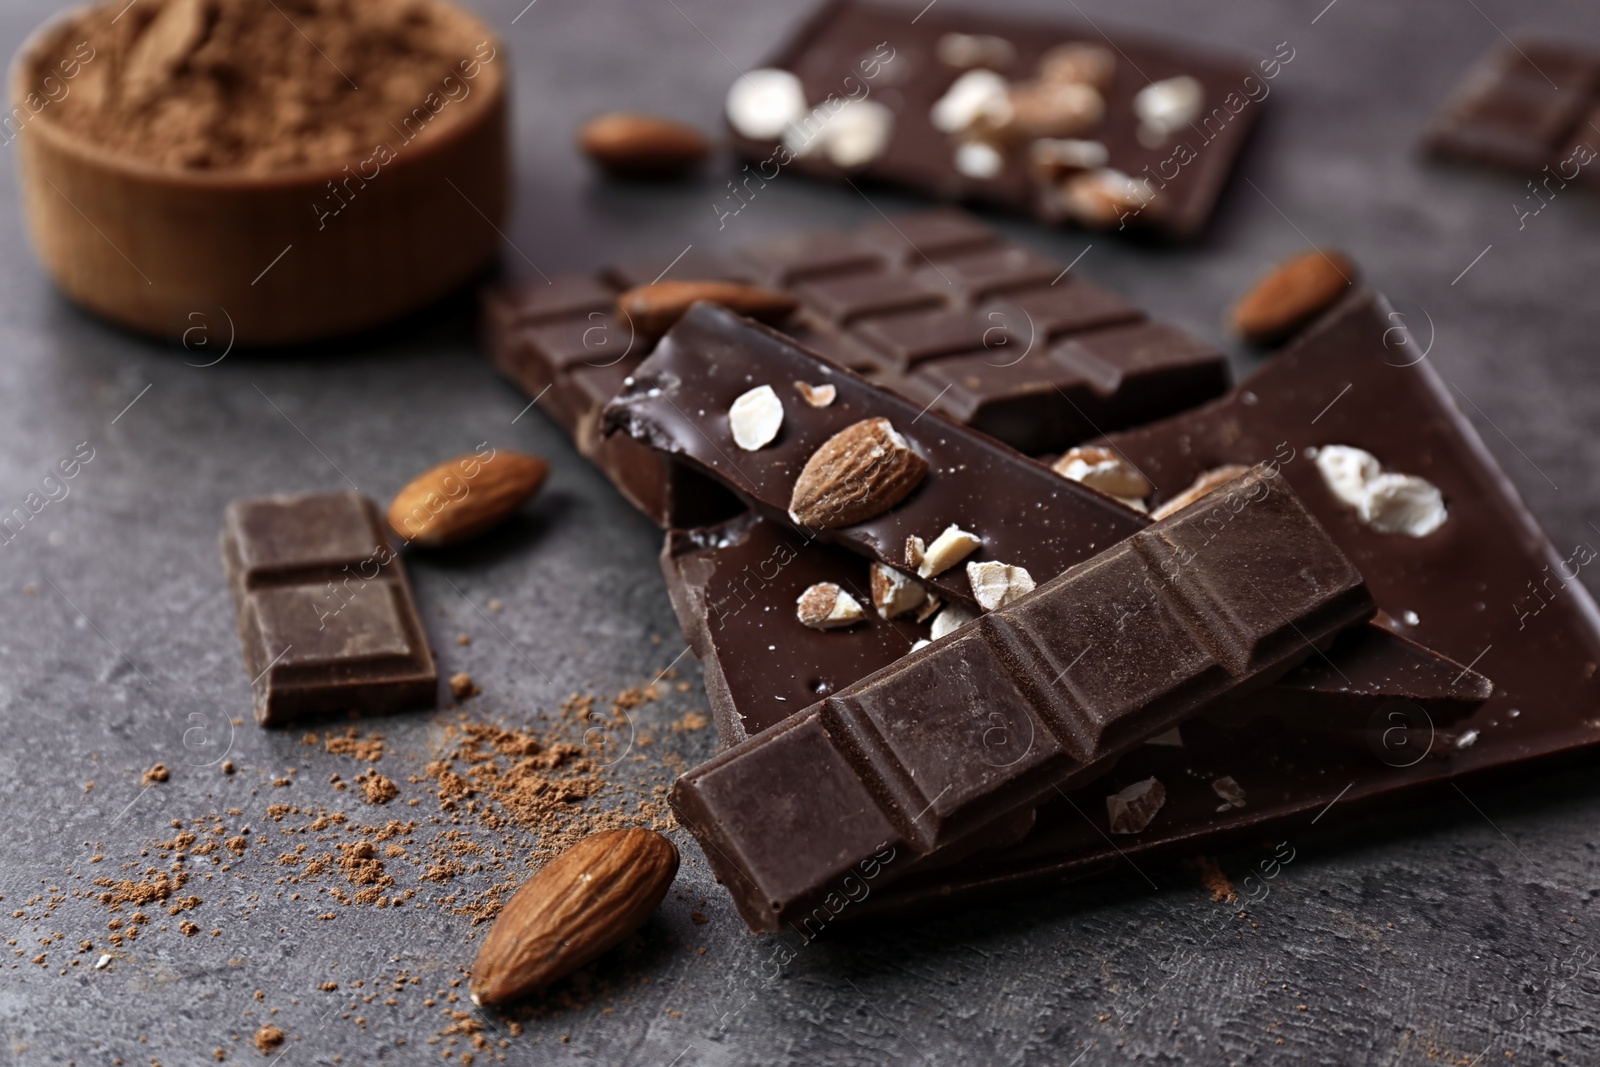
pixel 1215 601
pixel 325 612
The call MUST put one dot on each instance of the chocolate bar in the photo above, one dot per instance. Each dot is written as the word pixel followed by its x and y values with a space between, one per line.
pixel 325 612
pixel 936 306
pixel 1522 616
pixel 734 588
pixel 1041 117
pixel 678 400
pixel 1485 588
pixel 1040 694
pixel 1531 108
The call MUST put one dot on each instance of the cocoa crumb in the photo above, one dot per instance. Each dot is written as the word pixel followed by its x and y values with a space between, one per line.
pixel 376 788
pixel 1212 878
pixel 267 1038
pixel 158 773
pixel 461 686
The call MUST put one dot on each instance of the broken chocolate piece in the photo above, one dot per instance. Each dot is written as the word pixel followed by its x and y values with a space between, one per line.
pixel 1215 601
pixel 325 613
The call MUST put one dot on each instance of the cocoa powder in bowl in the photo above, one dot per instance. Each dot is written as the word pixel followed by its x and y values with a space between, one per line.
pixel 258 86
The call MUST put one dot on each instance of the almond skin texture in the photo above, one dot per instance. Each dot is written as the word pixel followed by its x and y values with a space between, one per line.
pixel 642 146
pixel 1293 294
pixel 860 472
pixel 464 497
pixel 579 904
pixel 654 308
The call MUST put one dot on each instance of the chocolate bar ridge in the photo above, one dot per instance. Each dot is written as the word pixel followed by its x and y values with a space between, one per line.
pixel 325 614
pixel 1215 600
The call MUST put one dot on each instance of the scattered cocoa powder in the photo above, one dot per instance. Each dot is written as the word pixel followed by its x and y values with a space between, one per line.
pixel 368 749
pixel 225 84
pixel 1212 878
pixel 158 773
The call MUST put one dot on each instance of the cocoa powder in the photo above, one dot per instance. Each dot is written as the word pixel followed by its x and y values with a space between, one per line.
pixel 247 85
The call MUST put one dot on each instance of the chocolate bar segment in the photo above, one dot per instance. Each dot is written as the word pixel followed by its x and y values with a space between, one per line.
pixel 1028 516
pixel 1171 169
pixel 1523 108
pixel 734 588
pixel 325 613
pixel 935 306
pixel 1040 693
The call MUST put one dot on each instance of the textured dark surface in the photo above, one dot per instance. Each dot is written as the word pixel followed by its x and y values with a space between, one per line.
pixel 1434 933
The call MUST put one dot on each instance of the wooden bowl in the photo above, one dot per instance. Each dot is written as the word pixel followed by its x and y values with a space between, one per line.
pixel 152 247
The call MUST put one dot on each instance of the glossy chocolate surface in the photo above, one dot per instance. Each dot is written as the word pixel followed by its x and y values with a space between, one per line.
pixel 1027 515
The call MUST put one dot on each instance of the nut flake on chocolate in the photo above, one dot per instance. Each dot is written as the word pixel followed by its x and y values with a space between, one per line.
pixel 1100 197
pixel 1130 810
pixel 825 606
pixel 977 96
pixel 1385 501
pixel 755 418
pixel 1204 485
pixel 762 103
pixel 1052 109
pixel 948 549
pixel 895 593
pixel 851 134
pixel 998 584
pixel 817 396
pixel 967 50
pixel 1103 470
pixel 1056 157
pixel 1165 107
pixel 950 619
pixel 1230 791
pixel 1076 61
pixel 979 159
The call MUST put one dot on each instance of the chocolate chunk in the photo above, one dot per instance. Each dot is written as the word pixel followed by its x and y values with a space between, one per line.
pixel 895 56
pixel 732 586
pixel 1521 618
pixel 1218 599
pixel 325 613
pixel 560 341
pixel 1026 515
pixel 1521 108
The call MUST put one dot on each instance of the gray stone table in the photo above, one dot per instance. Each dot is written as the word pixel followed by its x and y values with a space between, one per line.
pixel 1452 932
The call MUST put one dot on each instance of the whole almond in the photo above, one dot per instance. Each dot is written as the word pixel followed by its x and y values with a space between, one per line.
pixel 1293 294
pixel 642 146
pixel 579 904
pixel 464 497
pixel 860 472
pixel 654 308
